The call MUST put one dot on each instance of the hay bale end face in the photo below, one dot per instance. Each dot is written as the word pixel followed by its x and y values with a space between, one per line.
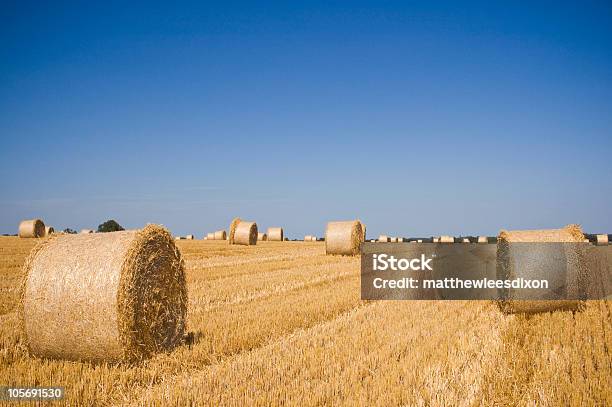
pixel 220 235
pixel 190 237
pixel 31 228
pixel 262 237
pixel 118 296
pixel 383 238
pixel 505 270
pixel 276 234
pixel 245 233
pixel 343 237
pixel 363 230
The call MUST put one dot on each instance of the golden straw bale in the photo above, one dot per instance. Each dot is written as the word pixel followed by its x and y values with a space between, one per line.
pixel 275 234
pixel 573 265
pixel 245 233
pixel 105 296
pixel 343 237
pixel 31 228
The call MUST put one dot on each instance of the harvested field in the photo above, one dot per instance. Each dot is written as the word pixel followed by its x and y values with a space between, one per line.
pixel 281 321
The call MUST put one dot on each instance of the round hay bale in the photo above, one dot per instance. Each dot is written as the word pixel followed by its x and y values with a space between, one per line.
pixel 420 241
pixel 262 237
pixel 31 228
pixel 343 237
pixel 210 236
pixel 189 237
pixel 245 233
pixel 483 239
pixel 307 238
pixel 383 238
pixel 538 264
pixel 275 234
pixel 601 240
pixel 49 230
pixel 465 240
pixel 86 231
pixel 220 235
pixel 445 239
pixel 104 297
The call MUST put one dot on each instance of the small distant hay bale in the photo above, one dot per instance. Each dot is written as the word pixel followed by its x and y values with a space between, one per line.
pixel 446 239
pixel 307 238
pixel 384 238
pixel 49 230
pixel 31 228
pixel 119 296
pixel 343 237
pixel 483 239
pixel 420 241
pixel 210 236
pixel 465 240
pixel 244 233
pixel 505 270
pixel 601 240
pixel 189 237
pixel 220 235
pixel 276 234
pixel 86 231
pixel 262 237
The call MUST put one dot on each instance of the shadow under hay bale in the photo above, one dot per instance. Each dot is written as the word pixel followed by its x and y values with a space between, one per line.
pixel 31 228
pixel 119 296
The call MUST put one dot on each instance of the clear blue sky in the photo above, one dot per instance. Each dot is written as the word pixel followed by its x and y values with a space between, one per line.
pixel 418 118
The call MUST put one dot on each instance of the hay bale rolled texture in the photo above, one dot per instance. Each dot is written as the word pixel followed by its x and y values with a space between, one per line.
pixel 343 237
pixel 245 233
pixel 383 238
pixel 541 262
pixel 31 228
pixel 220 235
pixel 307 238
pixel 210 236
pixel 363 230
pixel 189 237
pixel 49 230
pixel 232 230
pixel 275 234
pixel 445 239
pixel 262 237
pixel 105 296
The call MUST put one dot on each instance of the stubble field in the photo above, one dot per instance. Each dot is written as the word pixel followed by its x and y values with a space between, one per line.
pixel 281 322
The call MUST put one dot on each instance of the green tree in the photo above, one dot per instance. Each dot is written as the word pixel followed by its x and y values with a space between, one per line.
pixel 110 226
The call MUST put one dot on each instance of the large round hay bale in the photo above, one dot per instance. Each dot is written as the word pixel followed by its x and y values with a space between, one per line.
pixel 275 234
pixel 384 238
pixel 49 230
pixel 210 236
pixel 245 233
pixel 262 237
pixel 232 230
pixel 545 260
pixel 104 296
pixel 601 240
pixel 220 235
pixel 343 237
pixel 31 228
pixel 445 239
